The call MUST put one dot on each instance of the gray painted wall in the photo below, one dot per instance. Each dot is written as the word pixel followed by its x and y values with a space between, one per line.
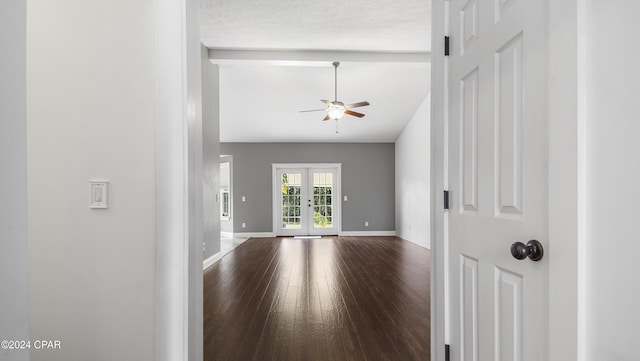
pixel 211 155
pixel 14 264
pixel 368 179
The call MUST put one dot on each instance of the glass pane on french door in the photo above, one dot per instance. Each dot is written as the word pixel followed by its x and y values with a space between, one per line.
pixel 291 200
pixel 322 199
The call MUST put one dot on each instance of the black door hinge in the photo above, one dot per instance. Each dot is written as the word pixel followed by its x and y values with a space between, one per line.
pixel 446 46
pixel 446 353
pixel 446 199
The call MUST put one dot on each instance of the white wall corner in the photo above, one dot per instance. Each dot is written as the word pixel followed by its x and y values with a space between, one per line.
pixel 178 168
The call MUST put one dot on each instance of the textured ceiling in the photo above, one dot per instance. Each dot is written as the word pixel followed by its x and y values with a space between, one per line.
pixel 381 25
pixel 260 101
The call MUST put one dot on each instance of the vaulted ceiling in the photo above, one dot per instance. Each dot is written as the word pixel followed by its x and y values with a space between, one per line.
pixel 275 59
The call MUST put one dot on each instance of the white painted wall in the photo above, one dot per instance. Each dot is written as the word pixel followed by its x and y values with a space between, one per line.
pixel 14 264
pixel 612 180
pixel 90 116
pixel 225 175
pixel 413 178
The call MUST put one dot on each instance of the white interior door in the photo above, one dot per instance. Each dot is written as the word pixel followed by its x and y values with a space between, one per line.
pixel 307 201
pixel 498 179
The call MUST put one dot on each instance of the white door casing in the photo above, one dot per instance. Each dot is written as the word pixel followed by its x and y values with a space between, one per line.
pixel 313 199
pixel 497 169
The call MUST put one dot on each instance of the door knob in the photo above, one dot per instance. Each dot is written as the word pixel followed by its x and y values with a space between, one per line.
pixel 533 249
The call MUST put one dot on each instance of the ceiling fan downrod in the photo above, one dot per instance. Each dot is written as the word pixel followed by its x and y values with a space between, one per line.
pixel 336 64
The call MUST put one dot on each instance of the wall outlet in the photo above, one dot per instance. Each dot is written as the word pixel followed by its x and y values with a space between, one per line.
pixel 366 224
pixel 244 199
pixel 244 225
pixel 345 198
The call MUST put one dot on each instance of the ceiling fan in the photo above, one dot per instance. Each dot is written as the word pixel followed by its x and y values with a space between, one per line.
pixel 336 109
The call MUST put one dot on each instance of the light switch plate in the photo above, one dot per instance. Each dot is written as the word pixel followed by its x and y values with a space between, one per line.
pixel 98 194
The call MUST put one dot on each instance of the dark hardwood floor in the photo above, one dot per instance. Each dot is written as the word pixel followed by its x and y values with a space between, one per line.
pixel 340 298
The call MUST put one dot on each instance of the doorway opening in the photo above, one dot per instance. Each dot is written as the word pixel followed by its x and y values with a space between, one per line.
pixel 228 239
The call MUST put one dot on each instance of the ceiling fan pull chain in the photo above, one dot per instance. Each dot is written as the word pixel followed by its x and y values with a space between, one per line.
pixel 336 126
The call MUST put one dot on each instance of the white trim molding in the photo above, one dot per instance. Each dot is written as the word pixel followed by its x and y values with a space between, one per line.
pixel 416 243
pixel 312 58
pixel 367 234
pixel 254 235
pixel 211 260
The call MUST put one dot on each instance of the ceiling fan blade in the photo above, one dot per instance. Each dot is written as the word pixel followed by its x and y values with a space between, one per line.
pixel 313 110
pixel 326 118
pixel 355 114
pixel 355 105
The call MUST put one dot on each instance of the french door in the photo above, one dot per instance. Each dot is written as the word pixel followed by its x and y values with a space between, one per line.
pixel 306 200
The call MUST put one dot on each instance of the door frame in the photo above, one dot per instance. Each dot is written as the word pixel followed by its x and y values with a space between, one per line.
pixel 275 186
pixel 179 221
pixel 567 29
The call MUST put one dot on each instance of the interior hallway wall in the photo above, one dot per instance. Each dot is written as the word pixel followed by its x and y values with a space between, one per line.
pixel 413 178
pixel 90 91
pixel 14 262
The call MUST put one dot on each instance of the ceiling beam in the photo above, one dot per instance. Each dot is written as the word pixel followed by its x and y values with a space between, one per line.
pixel 312 57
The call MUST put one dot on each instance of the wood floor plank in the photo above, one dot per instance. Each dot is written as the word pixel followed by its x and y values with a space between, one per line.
pixel 334 298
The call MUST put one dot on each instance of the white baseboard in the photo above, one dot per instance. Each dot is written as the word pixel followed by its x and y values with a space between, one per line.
pixel 254 235
pixel 211 260
pixel 416 243
pixel 368 233
pixel 226 234
pixel 428 246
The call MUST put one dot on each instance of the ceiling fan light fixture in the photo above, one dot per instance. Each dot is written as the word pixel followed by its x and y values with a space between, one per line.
pixel 336 113
pixel 336 109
